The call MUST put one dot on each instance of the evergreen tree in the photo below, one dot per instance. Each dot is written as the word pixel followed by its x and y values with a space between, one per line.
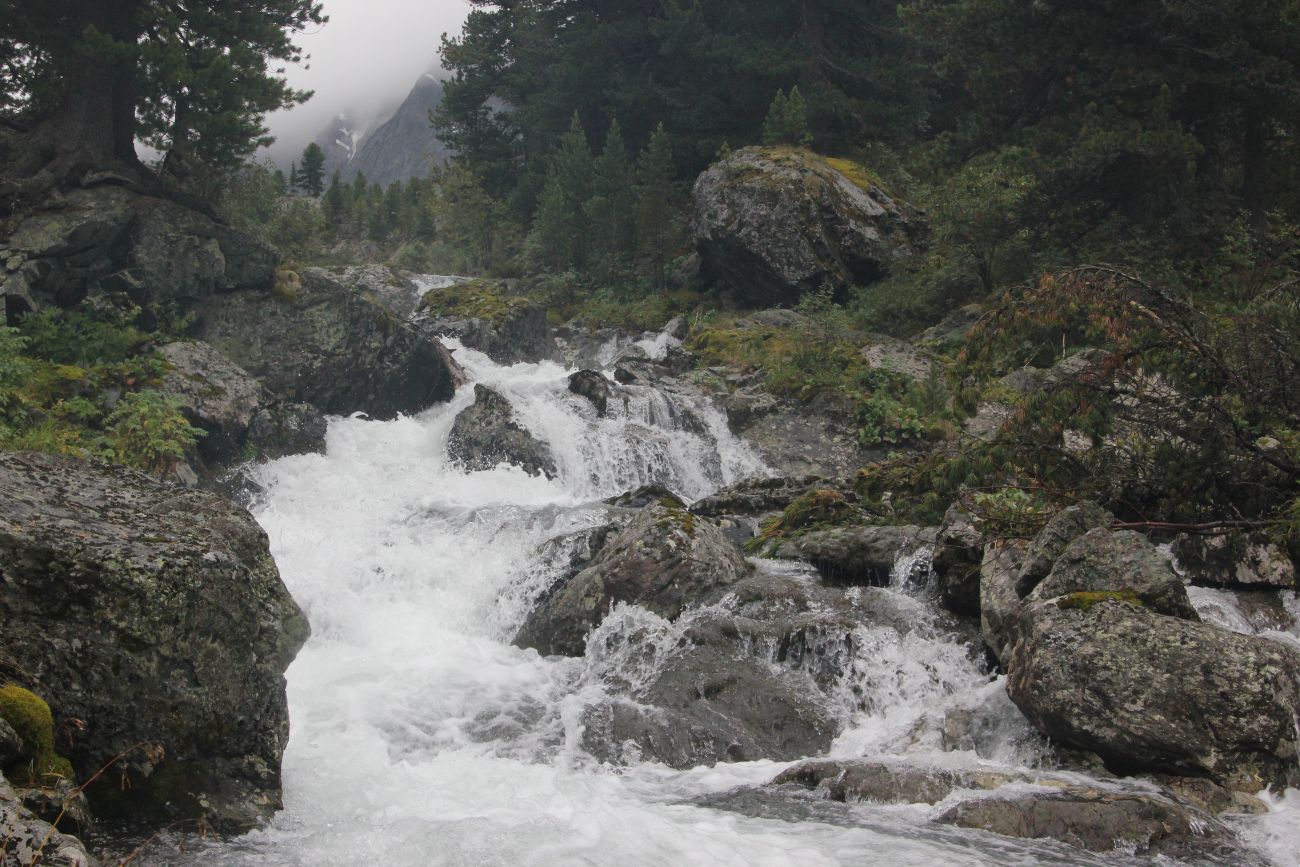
pixel 612 206
pixel 657 206
pixel 561 227
pixel 311 177
pixel 334 203
pixel 98 75
pixel 787 120
pixel 281 185
pixel 293 178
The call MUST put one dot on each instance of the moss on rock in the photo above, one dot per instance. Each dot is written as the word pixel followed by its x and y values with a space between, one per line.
pixel 1085 600
pixel 31 719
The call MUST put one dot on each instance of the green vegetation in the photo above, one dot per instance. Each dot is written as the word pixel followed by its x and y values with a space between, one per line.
pixel 813 511
pixel 1083 601
pixel 79 383
pixel 30 718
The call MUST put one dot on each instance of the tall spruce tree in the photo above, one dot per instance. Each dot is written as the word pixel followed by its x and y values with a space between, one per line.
pixel 561 228
pixel 657 205
pixel 311 175
pixel 612 206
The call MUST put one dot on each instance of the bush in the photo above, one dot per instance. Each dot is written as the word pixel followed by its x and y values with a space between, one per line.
pixel 148 431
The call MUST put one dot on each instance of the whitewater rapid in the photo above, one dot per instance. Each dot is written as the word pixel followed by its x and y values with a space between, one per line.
pixel 420 736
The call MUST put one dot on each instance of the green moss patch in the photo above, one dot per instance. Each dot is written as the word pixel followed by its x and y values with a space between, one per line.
pixel 1083 601
pixel 475 299
pixel 31 719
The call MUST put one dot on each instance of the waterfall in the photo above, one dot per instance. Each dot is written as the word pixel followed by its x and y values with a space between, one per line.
pixel 421 736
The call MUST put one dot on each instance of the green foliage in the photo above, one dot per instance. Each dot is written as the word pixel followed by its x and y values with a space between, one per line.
pixel 147 430
pixel 81 338
pixel 816 510
pixel 787 120
pixel 885 420
pixel 1009 513
pixel 311 171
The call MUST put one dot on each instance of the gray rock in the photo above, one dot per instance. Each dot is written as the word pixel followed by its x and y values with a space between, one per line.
pixel 708 705
pixel 958 552
pixel 1102 561
pixel 485 434
pixel 645 496
pixel 287 429
pixel 1000 603
pixel 593 386
pixel 664 560
pixel 495 320
pixel 773 223
pixel 324 344
pixel 950 332
pixel 11 745
pixel 1050 543
pixel 154 250
pixel 891 782
pixel 795 439
pixel 1148 691
pixel 218 395
pixel 1241 560
pixel 155 615
pixel 761 496
pixel 395 291
pixel 1101 820
pixel 856 555
pixel 28 841
pixel 899 356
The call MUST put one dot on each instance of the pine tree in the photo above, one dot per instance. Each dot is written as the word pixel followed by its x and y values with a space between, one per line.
pixel 293 179
pixel 311 177
pixel 561 226
pixel 787 120
pixel 334 203
pixel 612 206
pixel 281 185
pixel 656 208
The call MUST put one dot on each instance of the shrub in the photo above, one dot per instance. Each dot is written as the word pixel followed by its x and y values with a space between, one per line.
pixel 148 431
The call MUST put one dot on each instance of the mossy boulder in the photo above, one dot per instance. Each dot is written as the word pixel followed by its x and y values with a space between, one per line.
pixel 155 616
pixel 1146 691
pixel 774 222
pixel 490 316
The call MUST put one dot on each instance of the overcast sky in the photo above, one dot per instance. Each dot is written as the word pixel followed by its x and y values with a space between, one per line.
pixel 368 56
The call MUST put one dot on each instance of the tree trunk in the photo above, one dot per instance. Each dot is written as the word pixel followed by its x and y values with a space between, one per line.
pixel 94 129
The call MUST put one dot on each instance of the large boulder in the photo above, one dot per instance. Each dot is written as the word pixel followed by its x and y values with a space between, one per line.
pixel 490 316
pixel 110 239
pixel 773 223
pixel 664 560
pixel 316 340
pixel 1102 561
pixel 1147 691
pixel 237 413
pixel 155 615
pixel 1050 543
pixel 485 434
pixel 1240 560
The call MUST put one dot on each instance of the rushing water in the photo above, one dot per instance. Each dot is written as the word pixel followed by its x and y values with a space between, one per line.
pixel 420 736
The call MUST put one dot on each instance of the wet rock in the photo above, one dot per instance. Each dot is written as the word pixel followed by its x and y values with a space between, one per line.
pixel 593 386
pixel 287 429
pixel 490 316
pixel 1050 543
pixel 773 223
pixel 645 496
pixel 1242 560
pixel 29 841
pixel 1102 561
pixel 1000 603
pixel 485 434
pixel 795 439
pixel 706 706
pixel 899 356
pixel 761 496
pixel 11 745
pixel 664 560
pixel 235 410
pixel 958 552
pixel 155 615
pixel 856 555
pixel 395 291
pixel 890 781
pixel 1147 691
pixel 322 343
pixel 1100 820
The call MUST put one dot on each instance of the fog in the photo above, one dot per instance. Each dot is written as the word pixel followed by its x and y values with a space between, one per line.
pixel 364 61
